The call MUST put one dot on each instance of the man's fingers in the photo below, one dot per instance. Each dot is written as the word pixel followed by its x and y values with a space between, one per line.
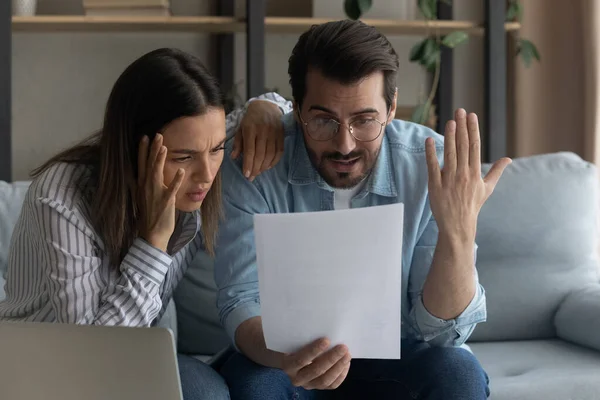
pixel 249 152
pixel 494 174
pixel 142 157
pixel 450 149
pixel 433 165
pixel 321 364
pixel 176 183
pixel 341 377
pixel 338 382
pixel 462 140
pixel 474 144
pixel 237 144
pixel 306 355
pixel 327 379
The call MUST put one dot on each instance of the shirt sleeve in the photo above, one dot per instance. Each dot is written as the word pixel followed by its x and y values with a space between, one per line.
pixel 427 327
pixel 82 291
pixel 235 261
pixel 234 118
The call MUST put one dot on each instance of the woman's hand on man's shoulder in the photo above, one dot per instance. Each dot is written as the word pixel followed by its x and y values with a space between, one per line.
pixel 259 138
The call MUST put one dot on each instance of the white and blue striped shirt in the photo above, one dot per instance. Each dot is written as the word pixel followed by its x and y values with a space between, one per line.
pixel 58 270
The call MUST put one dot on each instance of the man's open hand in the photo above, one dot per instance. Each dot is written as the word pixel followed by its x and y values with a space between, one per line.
pixel 457 192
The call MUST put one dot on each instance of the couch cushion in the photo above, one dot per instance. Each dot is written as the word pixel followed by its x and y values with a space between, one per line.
pixel 541 369
pixel 578 318
pixel 12 196
pixel 538 239
pixel 199 329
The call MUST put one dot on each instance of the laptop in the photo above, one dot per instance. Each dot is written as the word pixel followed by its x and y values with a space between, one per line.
pixel 52 361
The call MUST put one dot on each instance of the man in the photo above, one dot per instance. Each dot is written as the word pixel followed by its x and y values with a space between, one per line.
pixel 343 149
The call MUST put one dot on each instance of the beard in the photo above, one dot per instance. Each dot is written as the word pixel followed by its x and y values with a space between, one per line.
pixel 343 180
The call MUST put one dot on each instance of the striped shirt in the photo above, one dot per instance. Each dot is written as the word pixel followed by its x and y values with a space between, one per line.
pixel 58 270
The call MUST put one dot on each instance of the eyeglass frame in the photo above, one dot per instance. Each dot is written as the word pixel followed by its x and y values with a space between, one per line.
pixel 339 124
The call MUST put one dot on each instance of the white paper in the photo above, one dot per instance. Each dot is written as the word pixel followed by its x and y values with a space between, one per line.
pixel 334 274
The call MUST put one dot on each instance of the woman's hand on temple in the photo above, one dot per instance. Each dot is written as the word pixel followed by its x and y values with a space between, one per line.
pixel 259 138
pixel 156 201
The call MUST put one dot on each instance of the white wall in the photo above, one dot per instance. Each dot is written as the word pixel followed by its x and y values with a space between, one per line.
pixel 61 81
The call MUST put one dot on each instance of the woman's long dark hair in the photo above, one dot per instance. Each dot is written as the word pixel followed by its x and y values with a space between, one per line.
pixel 157 88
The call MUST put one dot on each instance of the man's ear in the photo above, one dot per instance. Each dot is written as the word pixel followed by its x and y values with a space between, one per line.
pixel 393 106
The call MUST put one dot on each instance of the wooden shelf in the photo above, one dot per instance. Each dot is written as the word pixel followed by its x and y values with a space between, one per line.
pixel 213 24
pixel 82 23
pixel 387 27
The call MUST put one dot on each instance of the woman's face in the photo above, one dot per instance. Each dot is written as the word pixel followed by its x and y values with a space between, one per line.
pixel 197 145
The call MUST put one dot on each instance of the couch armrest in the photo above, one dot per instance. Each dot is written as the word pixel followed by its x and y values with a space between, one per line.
pixel 578 317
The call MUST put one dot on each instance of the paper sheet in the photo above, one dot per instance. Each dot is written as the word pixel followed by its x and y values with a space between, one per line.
pixel 334 274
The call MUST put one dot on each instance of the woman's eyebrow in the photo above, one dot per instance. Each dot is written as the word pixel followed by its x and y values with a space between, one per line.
pixel 185 151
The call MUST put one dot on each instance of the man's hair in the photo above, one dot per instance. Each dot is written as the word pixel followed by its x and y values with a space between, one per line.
pixel 345 51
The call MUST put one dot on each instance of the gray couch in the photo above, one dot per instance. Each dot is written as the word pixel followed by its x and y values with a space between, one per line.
pixel 538 261
pixel 538 240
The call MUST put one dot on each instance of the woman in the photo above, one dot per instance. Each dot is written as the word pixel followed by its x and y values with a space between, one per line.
pixel 109 226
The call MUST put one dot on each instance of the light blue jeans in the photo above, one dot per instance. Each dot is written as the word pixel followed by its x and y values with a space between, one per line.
pixel 431 373
pixel 200 381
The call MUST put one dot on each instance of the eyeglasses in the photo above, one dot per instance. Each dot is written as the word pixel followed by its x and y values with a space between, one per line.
pixel 325 128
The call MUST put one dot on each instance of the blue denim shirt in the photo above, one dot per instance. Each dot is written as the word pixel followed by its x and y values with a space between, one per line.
pixel 293 185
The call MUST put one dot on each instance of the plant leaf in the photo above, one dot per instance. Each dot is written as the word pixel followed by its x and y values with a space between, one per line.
pixel 428 8
pixel 421 113
pixel 355 8
pixel 515 11
pixel 416 52
pixel 365 5
pixel 454 39
pixel 536 53
pixel 351 9
pixel 431 54
pixel 528 51
pixel 433 60
pixel 429 46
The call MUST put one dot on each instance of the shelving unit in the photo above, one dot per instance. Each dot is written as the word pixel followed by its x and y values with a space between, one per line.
pixel 223 24
pixel 256 25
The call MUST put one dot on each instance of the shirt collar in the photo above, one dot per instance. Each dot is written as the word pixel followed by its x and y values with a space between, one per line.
pixel 380 181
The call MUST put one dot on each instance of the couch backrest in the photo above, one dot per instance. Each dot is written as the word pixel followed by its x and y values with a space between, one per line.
pixel 11 202
pixel 538 240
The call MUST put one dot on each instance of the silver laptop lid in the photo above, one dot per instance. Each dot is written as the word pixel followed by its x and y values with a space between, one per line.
pixel 75 362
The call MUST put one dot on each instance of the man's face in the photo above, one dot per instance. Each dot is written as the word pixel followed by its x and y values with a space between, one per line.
pixel 341 159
